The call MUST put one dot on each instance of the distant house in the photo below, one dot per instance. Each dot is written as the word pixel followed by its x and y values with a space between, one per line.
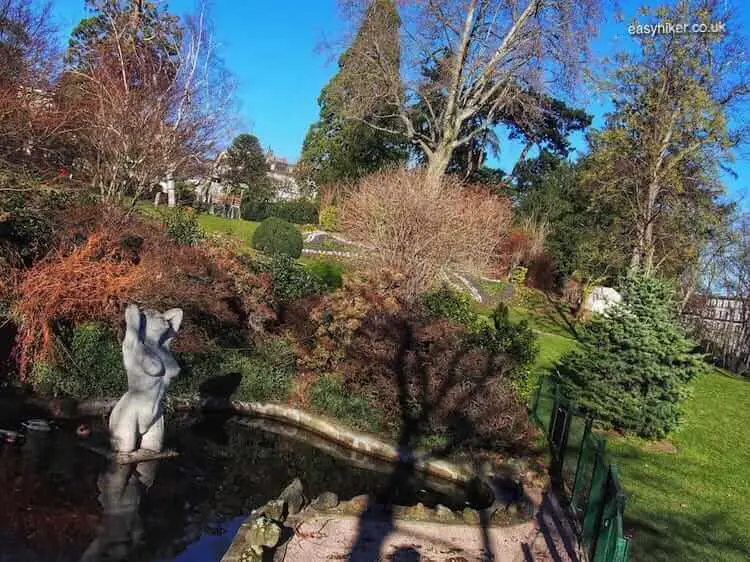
pixel 281 173
pixel 723 325
pixel 211 188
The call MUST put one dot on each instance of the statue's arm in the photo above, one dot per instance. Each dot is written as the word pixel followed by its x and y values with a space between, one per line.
pixel 134 347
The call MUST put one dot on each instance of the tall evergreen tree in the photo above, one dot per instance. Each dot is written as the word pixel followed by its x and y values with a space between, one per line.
pixel 245 168
pixel 245 162
pixel 339 149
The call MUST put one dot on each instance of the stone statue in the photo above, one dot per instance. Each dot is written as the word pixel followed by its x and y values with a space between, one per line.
pixel 137 421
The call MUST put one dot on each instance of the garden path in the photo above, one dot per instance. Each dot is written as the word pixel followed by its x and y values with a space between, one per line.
pixel 325 538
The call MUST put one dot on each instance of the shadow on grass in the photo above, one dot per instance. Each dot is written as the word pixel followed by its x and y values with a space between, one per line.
pixel 675 509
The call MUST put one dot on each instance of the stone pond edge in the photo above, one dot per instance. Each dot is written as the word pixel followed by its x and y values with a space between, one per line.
pixel 327 428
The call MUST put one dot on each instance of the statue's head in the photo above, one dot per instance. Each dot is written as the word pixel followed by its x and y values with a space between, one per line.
pixel 156 329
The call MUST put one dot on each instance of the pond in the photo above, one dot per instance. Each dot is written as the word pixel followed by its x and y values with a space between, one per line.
pixel 62 501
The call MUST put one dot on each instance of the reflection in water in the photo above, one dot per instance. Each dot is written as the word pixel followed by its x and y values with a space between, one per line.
pixel 59 499
pixel 121 487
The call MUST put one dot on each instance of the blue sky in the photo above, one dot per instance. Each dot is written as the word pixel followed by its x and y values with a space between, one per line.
pixel 270 47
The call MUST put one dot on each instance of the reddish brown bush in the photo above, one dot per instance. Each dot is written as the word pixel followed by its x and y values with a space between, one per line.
pixel 421 232
pixel 119 259
pixel 423 375
pixel 522 245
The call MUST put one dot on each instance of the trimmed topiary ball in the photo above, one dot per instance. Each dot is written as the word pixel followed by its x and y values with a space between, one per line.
pixel 276 236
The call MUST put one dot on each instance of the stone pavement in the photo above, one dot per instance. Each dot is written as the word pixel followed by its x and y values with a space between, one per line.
pixel 362 539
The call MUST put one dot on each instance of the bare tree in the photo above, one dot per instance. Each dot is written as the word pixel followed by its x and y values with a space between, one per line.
pixel 31 124
pixel 457 60
pixel 148 113
pixel 422 233
pixel 677 117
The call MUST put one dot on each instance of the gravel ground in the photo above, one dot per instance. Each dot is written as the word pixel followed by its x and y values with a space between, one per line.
pixel 547 537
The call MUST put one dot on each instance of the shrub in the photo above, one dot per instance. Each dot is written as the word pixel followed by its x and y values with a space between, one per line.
pixel 261 380
pixel 419 231
pixel 328 273
pixel 633 366
pixel 182 225
pixel 429 379
pixel 329 396
pixel 265 376
pixel 184 193
pixel 115 260
pixel 277 236
pixel 452 305
pixel 290 280
pixel 523 244
pixel 298 211
pixel 87 363
pixel 329 218
pixel 255 209
pixel 513 339
pixel 543 273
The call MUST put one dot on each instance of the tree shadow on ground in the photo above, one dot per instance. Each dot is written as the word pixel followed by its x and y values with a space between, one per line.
pixel 555 537
pixel 421 399
pixel 670 515
pixel 559 317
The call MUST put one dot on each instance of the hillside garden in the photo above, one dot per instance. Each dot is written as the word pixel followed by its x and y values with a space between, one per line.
pixel 408 289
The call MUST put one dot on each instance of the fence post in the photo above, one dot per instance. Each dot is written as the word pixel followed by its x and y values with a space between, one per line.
pixel 553 417
pixel 535 402
pixel 559 436
pixel 580 467
pixel 595 504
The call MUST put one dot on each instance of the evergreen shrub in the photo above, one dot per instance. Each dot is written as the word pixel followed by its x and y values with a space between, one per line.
pixel 633 366
pixel 277 236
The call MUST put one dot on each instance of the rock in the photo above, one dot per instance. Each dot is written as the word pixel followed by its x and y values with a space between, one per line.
pixel 444 514
pixel 273 509
pixel 294 496
pixel 471 516
pixel 252 555
pixel 601 299
pixel 357 505
pixel 500 517
pixel 263 532
pixel 326 500
pixel 417 512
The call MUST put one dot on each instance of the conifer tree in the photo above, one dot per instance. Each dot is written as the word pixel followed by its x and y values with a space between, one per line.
pixel 340 149
pixel 633 366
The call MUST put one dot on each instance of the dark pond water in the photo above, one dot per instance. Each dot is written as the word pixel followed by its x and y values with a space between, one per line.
pixel 60 501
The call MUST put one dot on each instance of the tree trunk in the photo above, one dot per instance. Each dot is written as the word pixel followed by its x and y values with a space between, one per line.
pixel 643 252
pixel 437 165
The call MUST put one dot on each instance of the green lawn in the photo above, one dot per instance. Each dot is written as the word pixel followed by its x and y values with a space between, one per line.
pixel 693 505
pixel 239 228
pixel 544 314
pixel 688 497
pixel 551 348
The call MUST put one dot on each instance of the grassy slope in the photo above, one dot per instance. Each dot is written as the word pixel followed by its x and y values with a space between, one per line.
pixel 239 228
pixel 690 505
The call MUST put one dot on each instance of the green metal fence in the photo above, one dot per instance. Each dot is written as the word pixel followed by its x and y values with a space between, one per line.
pixel 589 483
